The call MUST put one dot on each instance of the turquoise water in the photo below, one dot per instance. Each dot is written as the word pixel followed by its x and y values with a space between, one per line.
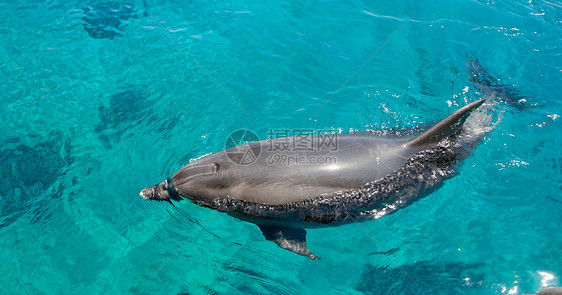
pixel 100 100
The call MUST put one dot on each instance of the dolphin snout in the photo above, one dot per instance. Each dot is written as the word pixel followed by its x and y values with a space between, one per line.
pixel 164 191
pixel 147 193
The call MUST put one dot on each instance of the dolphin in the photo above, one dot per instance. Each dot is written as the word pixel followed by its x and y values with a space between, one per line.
pixel 358 177
pixel 551 291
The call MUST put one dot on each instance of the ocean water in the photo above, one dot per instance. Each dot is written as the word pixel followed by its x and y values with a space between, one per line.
pixel 100 99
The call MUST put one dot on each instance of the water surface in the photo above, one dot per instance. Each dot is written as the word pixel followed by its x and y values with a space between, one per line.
pixel 102 99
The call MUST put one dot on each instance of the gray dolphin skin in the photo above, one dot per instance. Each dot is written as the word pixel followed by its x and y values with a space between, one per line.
pixel 551 291
pixel 364 178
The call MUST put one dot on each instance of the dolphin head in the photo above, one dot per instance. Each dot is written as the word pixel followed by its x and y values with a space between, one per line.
pixel 204 179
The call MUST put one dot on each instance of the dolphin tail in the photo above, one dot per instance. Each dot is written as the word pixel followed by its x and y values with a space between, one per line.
pixel 445 127
pixel 490 86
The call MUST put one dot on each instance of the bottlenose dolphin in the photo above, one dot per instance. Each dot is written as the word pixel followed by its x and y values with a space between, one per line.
pixel 366 178
pixel 551 291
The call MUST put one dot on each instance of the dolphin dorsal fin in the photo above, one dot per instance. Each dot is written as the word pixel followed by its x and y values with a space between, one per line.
pixel 445 127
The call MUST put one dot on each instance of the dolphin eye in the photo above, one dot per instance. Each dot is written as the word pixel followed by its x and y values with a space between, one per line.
pixel 215 167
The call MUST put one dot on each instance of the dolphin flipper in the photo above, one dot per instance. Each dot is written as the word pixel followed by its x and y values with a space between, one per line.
pixel 292 239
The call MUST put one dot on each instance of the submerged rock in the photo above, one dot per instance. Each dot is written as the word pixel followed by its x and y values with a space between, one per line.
pixel 31 169
pixel 125 109
pixel 106 20
pixel 422 277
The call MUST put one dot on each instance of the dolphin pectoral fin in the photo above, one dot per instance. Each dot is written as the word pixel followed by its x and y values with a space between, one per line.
pixel 292 239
